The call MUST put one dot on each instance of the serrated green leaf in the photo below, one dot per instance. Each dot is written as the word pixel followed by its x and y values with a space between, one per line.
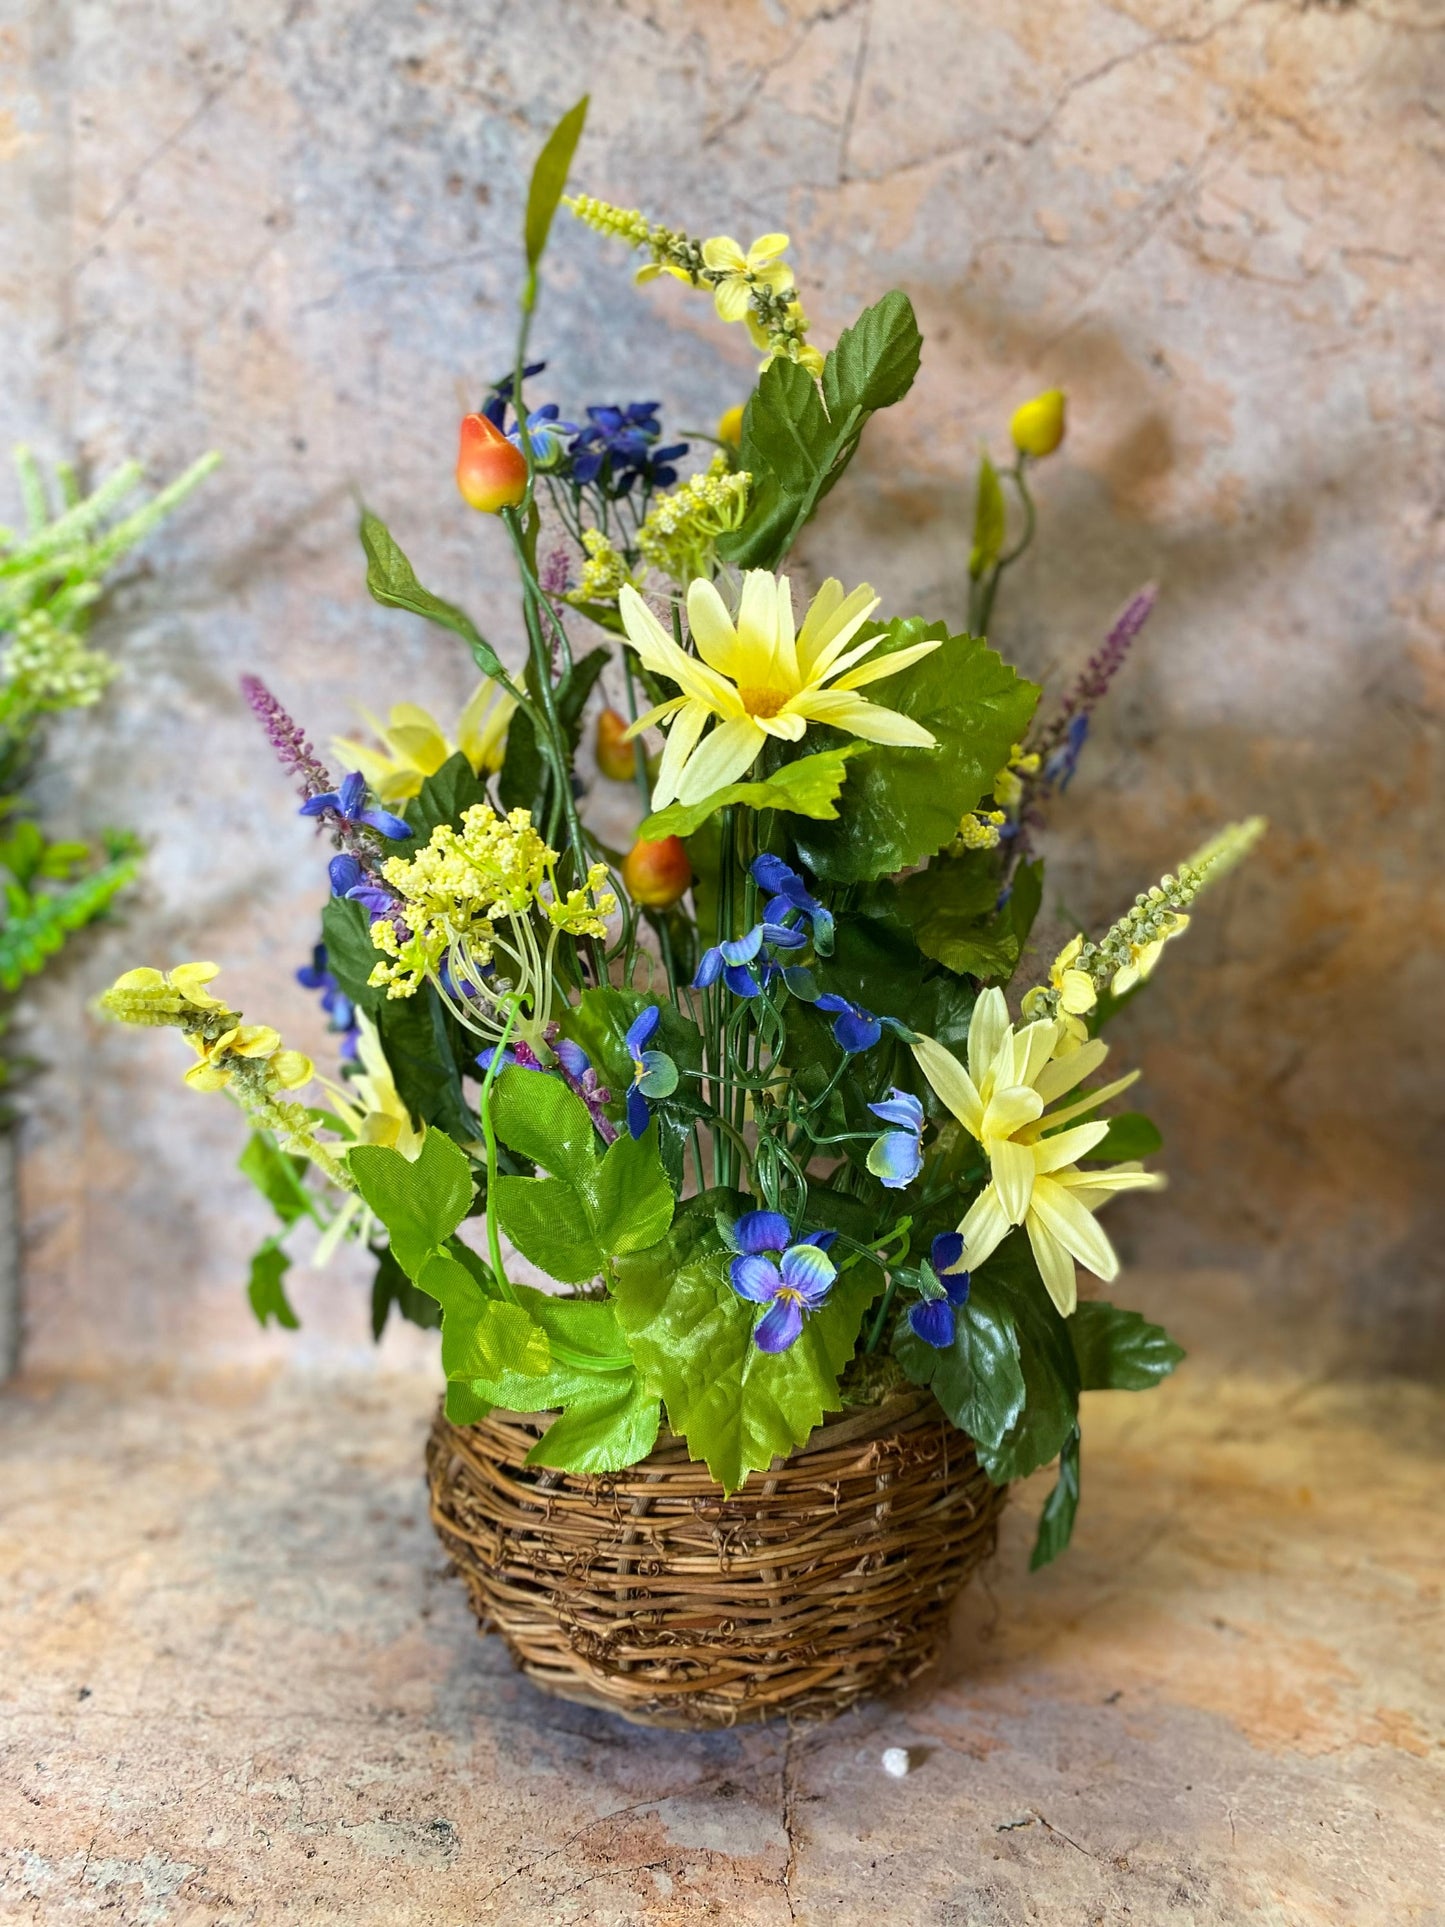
pixel 276 1174
pixel 545 1122
pixel 421 1201
pixel 950 908
pixel 391 580
pixel 266 1292
pixel 904 805
pixel 549 178
pixel 875 361
pixel 606 1429
pixel 978 1380
pixel 808 786
pixel 692 1337
pixel 1119 1351
pixel 482 1337
pixel 543 1218
pixel 1056 1522
pixel 990 520
pixel 1131 1135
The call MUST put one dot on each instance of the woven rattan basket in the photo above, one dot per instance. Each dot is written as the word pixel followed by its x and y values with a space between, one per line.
pixel 822 1582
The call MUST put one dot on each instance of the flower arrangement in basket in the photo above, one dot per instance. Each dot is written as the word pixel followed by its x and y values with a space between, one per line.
pixel 809 1181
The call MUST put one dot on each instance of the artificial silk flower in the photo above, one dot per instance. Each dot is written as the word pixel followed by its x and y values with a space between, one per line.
pixel 1143 959
pixel 790 902
pixel 758 679
pixel 653 1072
pixel 1076 995
pixel 856 1029
pixel 369 1105
pixel 1001 1100
pixel 348 804
pixel 762 264
pixel 791 1285
pixel 735 959
pixel 945 1284
pixel 896 1158
pixel 414 744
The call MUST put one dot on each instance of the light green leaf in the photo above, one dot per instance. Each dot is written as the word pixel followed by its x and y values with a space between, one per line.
pixel 1131 1135
pixel 692 1337
pixel 422 1201
pixel 392 581
pixel 544 1219
pixel 1119 1351
pixel 631 1204
pixel 544 1121
pixel 611 1426
pixel 1056 1522
pixel 276 1175
pixel 874 362
pixel 266 1291
pixel 990 520
pixel 549 177
pixel 464 1405
pixel 488 1337
pixel 809 786
pixel 906 804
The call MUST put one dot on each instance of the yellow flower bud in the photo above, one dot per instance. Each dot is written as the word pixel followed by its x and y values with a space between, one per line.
pixel 1038 426
pixel 730 426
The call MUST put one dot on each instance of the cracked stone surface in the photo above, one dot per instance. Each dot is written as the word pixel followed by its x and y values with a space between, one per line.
pixel 236 1688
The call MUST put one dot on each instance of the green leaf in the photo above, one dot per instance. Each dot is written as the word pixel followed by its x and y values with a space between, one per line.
pixel 543 1219
pixel 906 804
pixel 266 1291
pixel 276 1175
pixel 950 908
pixel 875 361
pixel 440 800
pixel 465 1406
pixel 692 1337
pixel 1131 1135
pixel 1056 1522
pixel 978 1380
pixel 1119 1351
pixel 482 1337
pixel 421 1201
pixel 808 786
pixel 350 955
pixel 604 1429
pixel 549 177
pixel 392 581
pixel 545 1122
pixel 1051 1373
pixel 37 926
pixel 990 520
pixel 796 444
pixel 391 1287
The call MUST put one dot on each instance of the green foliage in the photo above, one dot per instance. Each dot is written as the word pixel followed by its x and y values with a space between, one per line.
pixel 440 800
pixel 692 1337
pixel 950 908
pixel 1131 1135
pixel 1056 1522
pixel 808 786
pixel 1119 1351
pixel 390 1287
pixel 549 177
pixel 524 778
pixel 421 1201
pixel 266 1291
pixel 796 443
pixel 350 955
pixel 391 581
pixel 277 1175
pixel 903 805
pixel 593 1206
pixel 37 924
pixel 990 520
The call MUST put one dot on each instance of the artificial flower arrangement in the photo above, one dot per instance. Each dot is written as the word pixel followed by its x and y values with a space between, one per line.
pixel 757 1095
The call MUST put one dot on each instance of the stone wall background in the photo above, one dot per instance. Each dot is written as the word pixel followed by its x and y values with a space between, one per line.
pixel 289 232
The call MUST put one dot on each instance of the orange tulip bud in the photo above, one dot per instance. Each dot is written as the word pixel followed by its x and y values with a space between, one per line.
pixel 615 756
pixel 657 875
pixel 491 471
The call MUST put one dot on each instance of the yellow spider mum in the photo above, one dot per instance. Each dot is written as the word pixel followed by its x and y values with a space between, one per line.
pixel 415 745
pixel 1035 1180
pixel 758 679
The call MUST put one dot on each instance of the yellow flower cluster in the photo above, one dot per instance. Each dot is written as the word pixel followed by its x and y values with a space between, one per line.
pixel 605 572
pixel 249 1060
pixel 980 830
pixel 1008 785
pixel 682 527
pixel 753 285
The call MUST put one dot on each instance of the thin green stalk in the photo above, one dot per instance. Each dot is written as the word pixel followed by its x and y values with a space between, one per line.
pixel 489 1133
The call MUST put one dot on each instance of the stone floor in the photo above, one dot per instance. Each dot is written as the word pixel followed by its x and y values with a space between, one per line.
pixel 236 1687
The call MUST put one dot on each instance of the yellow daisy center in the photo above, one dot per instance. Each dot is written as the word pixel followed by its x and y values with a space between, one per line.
pixel 762 702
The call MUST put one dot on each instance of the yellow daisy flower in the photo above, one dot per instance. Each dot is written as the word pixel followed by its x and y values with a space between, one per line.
pixel 1001 1099
pixel 758 679
pixel 378 1116
pixel 416 746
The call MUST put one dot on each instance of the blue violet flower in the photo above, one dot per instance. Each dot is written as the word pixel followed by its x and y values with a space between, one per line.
pixel 791 900
pixel 896 1158
pixel 856 1029
pixel 349 880
pixel 933 1317
pixel 348 802
pixel 334 1000
pixel 791 1279
pixel 653 1072
pixel 733 960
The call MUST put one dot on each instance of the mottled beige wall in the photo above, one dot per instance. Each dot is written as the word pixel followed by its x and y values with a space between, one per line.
pixel 288 232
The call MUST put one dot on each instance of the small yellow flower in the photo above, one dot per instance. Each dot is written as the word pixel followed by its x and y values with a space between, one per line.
pixel 416 746
pixel 1144 957
pixel 380 1116
pixel 790 345
pixel 243 1040
pixel 759 680
pixel 730 426
pixel 1038 426
pixel 762 264
pixel 1076 994
pixel 981 830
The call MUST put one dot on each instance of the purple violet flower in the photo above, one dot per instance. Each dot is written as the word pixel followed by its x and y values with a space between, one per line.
pixel 934 1318
pixel 348 805
pixel 350 880
pixel 653 1072
pixel 896 1158
pixel 791 1279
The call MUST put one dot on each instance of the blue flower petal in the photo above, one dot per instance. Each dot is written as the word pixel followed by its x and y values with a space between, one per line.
pixel 319 805
pixel 754 1277
pixel 780 1327
pixel 385 823
pixel 824 1240
pixel 508 1063
pixel 351 794
pixel 946 1251
pixel 808 1271
pixel 709 969
pixel 932 1321
pixel 658 1076
pixel 742 950
pixel 638 1114
pixel 573 1059
pixel 345 873
pixel 741 981
pixel 901 1108
pixel 762 1231
pixel 856 1030
pixel 957 1284
pixel 641 1028
pixel 895 1159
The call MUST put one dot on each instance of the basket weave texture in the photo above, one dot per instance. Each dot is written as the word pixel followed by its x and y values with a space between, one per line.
pixel 824 1581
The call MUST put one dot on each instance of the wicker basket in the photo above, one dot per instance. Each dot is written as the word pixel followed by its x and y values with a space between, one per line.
pixel 824 1581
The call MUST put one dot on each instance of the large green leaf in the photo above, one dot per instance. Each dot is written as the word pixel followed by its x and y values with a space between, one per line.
pixel 610 1425
pixel 809 786
pixel 392 581
pixel 951 910
pixel 441 800
pixel 978 1380
pixel 277 1175
pixel 421 1201
pixel 692 1336
pixel 1051 1373
pixel 796 443
pixel 350 954
pixel 549 177
pixel 1119 1351
pixel 906 804
pixel 1056 1522
pixel 482 1337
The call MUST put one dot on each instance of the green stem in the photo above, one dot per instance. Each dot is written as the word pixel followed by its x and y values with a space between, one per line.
pixel 489 1133
pixel 886 1301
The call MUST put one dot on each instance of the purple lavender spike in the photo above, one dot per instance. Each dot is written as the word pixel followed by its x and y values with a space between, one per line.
pixel 290 742
pixel 1100 670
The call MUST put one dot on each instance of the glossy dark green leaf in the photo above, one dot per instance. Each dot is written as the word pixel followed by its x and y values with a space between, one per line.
pixel 904 805
pixel 990 520
pixel 951 910
pixel 391 580
pixel 978 1380
pixel 1051 1373
pixel 421 1201
pixel 1119 1351
pixel 1056 1522
pixel 266 1291
pixel 1131 1135
pixel 441 799
pixel 875 361
pixel 549 178
pixel 350 955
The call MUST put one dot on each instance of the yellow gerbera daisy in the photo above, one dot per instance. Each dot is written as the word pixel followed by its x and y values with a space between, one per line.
pixel 758 679
pixel 416 746
pixel 1034 1177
